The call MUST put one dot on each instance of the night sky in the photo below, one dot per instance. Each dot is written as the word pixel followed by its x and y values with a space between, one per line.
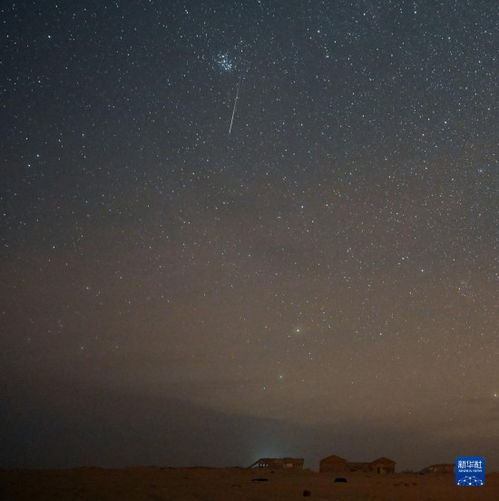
pixel 234 229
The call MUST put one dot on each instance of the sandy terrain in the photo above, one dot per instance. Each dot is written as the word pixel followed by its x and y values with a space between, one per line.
pixel 232 484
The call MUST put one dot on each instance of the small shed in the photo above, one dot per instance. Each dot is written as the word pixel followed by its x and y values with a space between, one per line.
pixel 383 465
pixel 438 468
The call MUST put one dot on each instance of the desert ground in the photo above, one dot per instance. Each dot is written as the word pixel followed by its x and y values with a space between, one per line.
pixel 233 484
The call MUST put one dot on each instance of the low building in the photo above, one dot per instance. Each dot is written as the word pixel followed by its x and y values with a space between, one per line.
pixel 336 464
pixel 358 466
pixel 438 468
pixel 333 464
pixel 383 465
pixel 279 463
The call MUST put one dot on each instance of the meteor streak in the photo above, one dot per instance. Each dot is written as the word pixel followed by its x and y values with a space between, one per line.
pixel 236 99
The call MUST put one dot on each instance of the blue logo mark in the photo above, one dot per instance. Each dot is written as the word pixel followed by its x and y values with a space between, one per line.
pixel 470 471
